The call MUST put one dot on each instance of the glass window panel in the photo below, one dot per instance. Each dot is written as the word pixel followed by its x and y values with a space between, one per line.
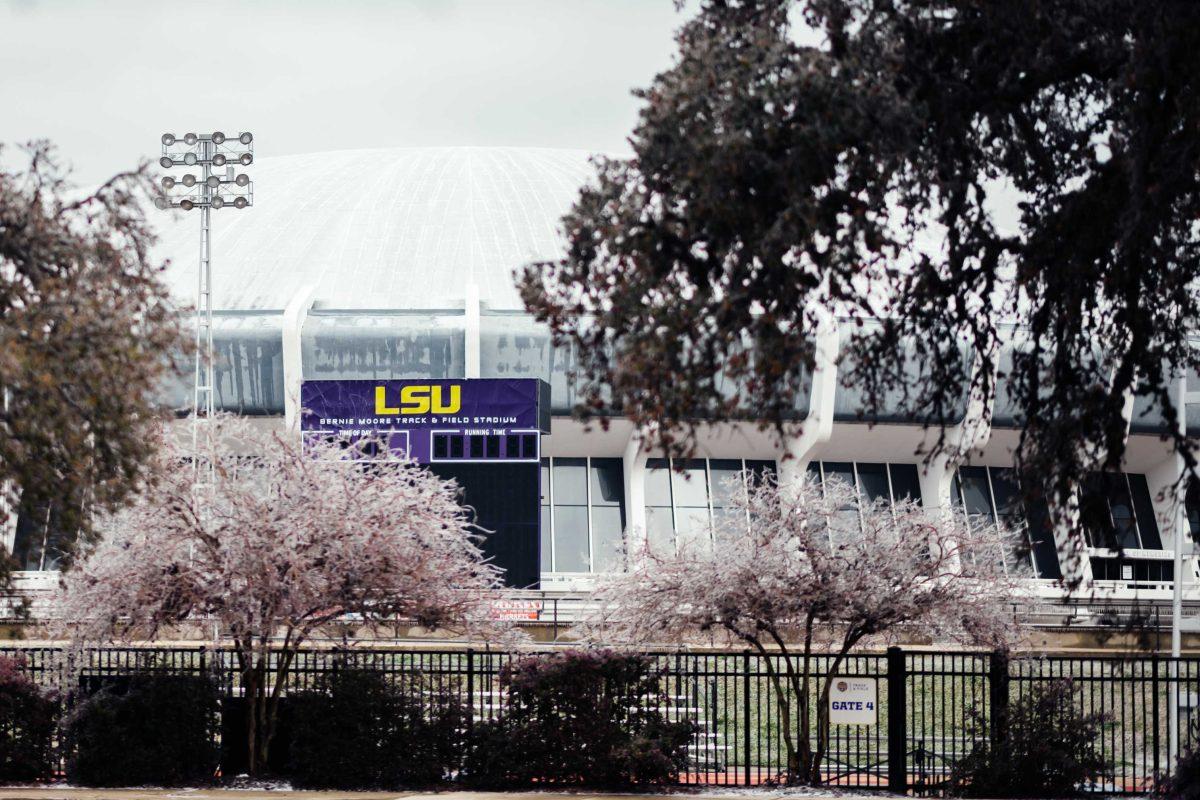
pixel 693 526
pixel 570 482
pixel 1007 494
pixel 760 469
pixel 726 480
pixel 1041 539
pixel 547 555
pixel 873 481
pixel 608 482
pixel 974 491
pixel 660 531
pixel 906 484
pixel 339 345
pixel 839 471
pixel 545 483
pixel 39 542
pixel 1094 513
pixel 658 482
pixel 570 536
pixel 1120 505
pixel 608 523
pixel 1143 510
pixel 689 483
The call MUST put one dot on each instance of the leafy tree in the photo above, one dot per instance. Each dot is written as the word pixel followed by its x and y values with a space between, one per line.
pixel 84 330
pixel 803 574
pixel 284 541
pixel 948 168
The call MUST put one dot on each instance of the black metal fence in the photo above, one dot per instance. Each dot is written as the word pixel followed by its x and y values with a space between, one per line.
pixel 933 707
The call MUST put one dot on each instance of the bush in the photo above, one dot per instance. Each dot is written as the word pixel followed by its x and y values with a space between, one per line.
pixel 28 718
pixel 580 719
pixel 1184 781
pixel 148 730
pixel 358 730
pixel 1048 748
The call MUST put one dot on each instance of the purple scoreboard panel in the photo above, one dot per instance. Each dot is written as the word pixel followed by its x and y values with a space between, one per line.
pixel 472 420
pixel 482 432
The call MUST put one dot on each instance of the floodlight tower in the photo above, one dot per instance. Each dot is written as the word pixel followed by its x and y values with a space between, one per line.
pixel 210 191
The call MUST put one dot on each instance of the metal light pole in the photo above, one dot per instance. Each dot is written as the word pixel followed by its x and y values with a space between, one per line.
pixel 1177 587
pixel 210 192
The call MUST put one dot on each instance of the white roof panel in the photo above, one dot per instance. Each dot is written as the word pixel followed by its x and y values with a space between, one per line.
pixel 402 228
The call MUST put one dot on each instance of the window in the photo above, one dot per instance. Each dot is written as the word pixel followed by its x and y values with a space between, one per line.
pixel 1117 513
pixel 992 494
pixel 583 514
pixel 683 497
pixel 39 543
pixel 889 482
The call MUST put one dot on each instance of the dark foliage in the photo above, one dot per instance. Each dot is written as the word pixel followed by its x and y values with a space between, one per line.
pixel 1047 748
pixel 580 718
pixel 947 167
pixel 152 730
pixel 85 330
pixel 364 730
pixel 1184 781
pixel 28 717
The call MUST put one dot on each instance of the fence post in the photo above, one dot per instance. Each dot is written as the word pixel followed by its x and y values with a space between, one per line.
pixel 746 709
pixel 1154 723
pixel 998 698
pixel 897 719
pixel 470 685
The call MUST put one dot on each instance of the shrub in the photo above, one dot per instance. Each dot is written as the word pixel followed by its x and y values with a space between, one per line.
pixel 1184 781
pixel 1047 748
pixel 156 730
pixel 28 717
pixel 580 718
pixel 359 730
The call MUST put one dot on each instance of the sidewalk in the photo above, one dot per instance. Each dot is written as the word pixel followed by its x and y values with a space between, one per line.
pixel 71 793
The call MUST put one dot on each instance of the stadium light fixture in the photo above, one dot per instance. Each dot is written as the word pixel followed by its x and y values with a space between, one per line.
pixel 211 191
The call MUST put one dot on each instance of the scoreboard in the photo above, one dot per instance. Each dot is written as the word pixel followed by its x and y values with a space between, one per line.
pixel 484 433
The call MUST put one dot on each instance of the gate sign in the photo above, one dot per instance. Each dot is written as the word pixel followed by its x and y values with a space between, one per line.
pixel 853 701
pixel 470 420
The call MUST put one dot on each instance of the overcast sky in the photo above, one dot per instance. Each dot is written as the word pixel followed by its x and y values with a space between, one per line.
pixel 104 79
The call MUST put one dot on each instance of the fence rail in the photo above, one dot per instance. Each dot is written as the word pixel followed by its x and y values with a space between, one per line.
pixel 933 707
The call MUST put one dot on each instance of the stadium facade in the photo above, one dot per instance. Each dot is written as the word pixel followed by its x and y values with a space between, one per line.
pixel 392 265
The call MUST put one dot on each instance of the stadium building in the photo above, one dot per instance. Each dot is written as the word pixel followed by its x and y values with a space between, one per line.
pixel 395 268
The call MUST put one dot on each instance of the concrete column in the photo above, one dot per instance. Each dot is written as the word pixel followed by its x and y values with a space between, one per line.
pixel 293 366
pixel 634 461
pixel 800 448
pixel 471 325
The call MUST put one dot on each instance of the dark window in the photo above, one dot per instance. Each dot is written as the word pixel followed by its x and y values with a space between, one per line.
pixel 906 485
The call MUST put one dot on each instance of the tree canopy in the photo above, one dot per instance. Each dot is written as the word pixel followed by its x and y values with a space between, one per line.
pixel 981 179
pixel 802 574
pixel 280 544
pixel 85 330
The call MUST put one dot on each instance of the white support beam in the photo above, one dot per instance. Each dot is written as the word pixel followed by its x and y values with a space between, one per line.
pixel 801 448
pixel 471 331
pixel 293 365
pixel 634 462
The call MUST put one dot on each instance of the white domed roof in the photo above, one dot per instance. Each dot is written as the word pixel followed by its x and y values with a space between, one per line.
pixel 399 228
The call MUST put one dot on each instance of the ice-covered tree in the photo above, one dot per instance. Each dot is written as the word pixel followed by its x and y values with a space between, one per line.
pixel 802 574
pixel 280 543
